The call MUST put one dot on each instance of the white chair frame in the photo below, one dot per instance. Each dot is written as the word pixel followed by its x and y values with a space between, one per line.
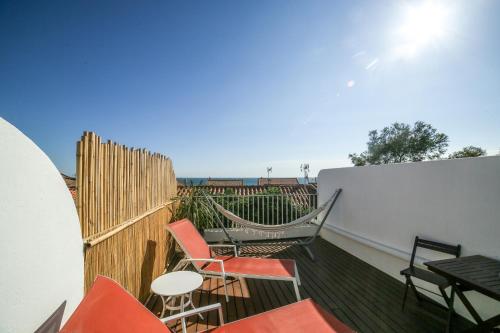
pixel 184 262
pixel 198 311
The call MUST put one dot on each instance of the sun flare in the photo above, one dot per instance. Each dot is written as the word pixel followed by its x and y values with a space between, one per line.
pixel 422 25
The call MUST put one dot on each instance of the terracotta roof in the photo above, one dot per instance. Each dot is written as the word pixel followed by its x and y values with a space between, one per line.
pixel 225 182
pixel 278 181
pixel 70 181
pixel 71 184
pixel 298 193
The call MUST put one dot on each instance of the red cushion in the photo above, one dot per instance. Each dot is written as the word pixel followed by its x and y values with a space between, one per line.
pixel 108 307
pixel 255 266
pixel 304 316
pixel 190 240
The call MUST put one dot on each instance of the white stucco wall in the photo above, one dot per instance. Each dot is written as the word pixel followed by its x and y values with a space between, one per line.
pixel 382 209
pixel 41 247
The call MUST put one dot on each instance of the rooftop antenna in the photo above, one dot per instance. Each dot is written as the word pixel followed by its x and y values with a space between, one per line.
pixel 305 169
pixel 269 170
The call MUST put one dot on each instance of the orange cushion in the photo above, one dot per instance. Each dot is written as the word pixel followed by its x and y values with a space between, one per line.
pixel 255 266
pixel 190 240
pixel 108 307
pixel 304 316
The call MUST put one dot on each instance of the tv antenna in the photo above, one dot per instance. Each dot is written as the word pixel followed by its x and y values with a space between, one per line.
pixel 269 170
pixel 305 169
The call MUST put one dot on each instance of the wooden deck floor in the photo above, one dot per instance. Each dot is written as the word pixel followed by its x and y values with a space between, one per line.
pixel 360 295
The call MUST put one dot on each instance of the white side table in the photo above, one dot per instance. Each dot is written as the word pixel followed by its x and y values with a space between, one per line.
pixel 176 284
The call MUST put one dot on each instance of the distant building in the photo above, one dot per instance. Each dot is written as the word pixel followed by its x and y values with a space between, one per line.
pixel 278 181
pixel 224 182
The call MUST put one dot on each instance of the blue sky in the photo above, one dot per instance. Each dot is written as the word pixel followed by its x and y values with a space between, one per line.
pixel 226 88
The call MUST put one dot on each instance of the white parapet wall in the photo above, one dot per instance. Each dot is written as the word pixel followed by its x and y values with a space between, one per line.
pixel 41 247
pixel 383 208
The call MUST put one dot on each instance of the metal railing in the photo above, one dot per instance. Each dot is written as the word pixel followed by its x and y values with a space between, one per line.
pixel 269 209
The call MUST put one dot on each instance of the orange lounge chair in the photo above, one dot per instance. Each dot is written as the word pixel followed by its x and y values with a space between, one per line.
pixel 108 307
pixel 198 253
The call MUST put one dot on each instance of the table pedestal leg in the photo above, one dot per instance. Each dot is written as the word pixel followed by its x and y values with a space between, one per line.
pixel 164 306
pixel 183 320
pixel 449 302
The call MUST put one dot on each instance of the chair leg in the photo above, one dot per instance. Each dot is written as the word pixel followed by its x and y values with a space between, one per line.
pixel 412 286
pixel 407 285
pixel 296 288
pixel 297 275
pixel 225 288
pixel 178 266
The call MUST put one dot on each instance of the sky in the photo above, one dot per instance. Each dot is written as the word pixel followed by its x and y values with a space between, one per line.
pixel 227 88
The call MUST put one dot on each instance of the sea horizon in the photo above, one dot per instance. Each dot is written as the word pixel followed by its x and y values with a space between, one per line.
pixel 247 181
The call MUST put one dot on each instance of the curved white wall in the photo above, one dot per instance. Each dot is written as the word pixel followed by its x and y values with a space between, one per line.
pixel 382 209
pixel 41 248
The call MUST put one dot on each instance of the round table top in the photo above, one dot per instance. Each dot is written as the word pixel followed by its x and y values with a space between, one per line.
pixel 176 283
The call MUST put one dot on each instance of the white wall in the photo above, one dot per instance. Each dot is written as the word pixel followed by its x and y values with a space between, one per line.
pixel 41 247
pixel 382 209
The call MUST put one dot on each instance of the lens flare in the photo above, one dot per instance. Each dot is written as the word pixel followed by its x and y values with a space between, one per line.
pixel 421 26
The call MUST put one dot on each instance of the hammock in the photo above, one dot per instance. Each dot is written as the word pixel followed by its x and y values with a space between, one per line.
pixel 277 230
pixel 306 219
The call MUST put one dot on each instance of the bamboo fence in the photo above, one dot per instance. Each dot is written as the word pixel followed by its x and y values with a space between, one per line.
pixel 124 201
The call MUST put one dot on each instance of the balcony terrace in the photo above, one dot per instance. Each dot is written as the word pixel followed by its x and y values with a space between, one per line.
pixel 125 199
pixel 360 295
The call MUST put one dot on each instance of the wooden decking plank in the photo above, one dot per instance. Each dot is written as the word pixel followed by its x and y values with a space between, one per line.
pixel 318 277
pixel 371 296
pixel 391 297
pixel 239 306
pixel 247 301
pixel 429 317
pixel 323 275
pixel 256 298
pixel 358 275
pixel 310 289
pixel 270 298
pixel 212 299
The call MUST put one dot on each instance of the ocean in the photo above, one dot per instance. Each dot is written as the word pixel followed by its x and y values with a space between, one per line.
pixel 246 181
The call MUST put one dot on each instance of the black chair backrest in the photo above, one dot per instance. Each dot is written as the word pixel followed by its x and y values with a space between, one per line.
pixel 434 246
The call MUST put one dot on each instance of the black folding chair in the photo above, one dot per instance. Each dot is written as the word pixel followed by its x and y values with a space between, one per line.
pixel 428 276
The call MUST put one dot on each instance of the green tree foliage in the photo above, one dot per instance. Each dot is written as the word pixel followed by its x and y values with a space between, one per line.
pixel 194 207
pixel 469 151
pixel 402 143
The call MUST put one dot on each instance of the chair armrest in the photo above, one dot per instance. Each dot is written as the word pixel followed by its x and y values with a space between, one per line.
pixel 225 245
pixel 203 309
pixel 221 263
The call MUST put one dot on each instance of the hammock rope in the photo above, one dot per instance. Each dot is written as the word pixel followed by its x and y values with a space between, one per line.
pixel 271 228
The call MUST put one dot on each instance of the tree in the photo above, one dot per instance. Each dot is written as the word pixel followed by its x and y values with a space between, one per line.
pixel 401 143
pixel 469 151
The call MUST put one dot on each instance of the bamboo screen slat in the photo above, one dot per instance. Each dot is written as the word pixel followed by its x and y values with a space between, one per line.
pixel 124 202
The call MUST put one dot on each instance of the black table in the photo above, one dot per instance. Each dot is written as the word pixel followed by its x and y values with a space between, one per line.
pixel 477 273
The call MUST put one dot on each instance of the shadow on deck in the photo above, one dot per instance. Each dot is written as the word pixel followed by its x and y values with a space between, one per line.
pixel 360 295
